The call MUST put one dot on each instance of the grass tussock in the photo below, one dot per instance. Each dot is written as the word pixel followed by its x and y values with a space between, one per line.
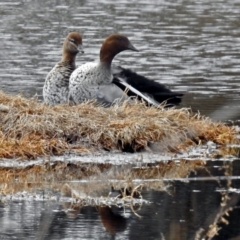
pixel 29 129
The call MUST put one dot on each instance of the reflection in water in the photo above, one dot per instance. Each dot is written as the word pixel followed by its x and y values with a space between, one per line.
pixel 112 222
pixel 193 47
pixel 197 209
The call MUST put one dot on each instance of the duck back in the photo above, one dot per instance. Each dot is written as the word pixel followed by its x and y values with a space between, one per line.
pixel 156 90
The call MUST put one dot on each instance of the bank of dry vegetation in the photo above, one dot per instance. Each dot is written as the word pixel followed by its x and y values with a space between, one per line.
pixel 29 129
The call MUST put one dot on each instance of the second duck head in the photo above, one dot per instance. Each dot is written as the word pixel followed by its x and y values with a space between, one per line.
pixel 113 45
pixel 72 46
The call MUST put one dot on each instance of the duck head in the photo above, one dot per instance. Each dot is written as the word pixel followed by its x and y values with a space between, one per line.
pixel 113 45
pixel 72 46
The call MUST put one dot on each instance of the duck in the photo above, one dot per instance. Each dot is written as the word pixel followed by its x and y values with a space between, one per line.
pixel 89 80
pixel 56 85
pixel 107 84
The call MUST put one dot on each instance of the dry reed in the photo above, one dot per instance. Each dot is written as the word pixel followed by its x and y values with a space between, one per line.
pixel 29 129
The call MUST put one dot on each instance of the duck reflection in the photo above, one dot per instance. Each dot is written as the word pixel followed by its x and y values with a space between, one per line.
pixel 112 221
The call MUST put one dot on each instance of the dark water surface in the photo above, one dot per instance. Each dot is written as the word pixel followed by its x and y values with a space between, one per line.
pixel 191 46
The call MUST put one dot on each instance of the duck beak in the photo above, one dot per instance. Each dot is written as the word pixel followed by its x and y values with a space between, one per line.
pixel 131 47
pixel 80 49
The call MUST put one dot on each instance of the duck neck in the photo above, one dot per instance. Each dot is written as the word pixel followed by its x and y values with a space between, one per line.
pixel 106 60
pixel 105 65
pixel 69 57
pixel 106 56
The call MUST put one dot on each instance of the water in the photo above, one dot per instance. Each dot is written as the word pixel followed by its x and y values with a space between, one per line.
pixel 185 211
pixel 191 46
pixel 176 206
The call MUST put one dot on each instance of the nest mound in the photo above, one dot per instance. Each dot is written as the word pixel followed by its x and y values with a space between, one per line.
pixel 29 129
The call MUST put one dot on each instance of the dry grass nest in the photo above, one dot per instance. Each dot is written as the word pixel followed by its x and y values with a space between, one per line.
pixel 29 129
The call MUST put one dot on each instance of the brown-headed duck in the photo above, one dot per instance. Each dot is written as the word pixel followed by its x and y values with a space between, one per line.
pixel 56 86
